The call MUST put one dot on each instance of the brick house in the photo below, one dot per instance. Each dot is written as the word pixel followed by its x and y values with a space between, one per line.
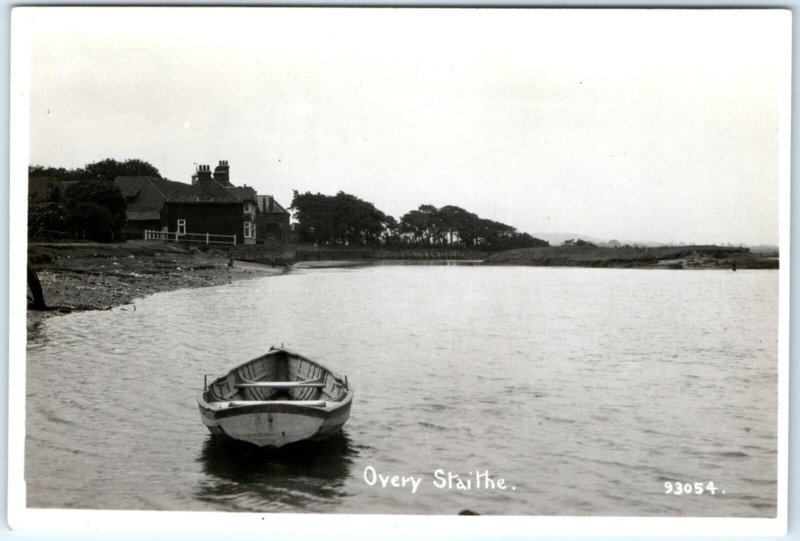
pixel 210 205
pixel 207 207
pixel 248 196
pixel 272 219
pixel 263 217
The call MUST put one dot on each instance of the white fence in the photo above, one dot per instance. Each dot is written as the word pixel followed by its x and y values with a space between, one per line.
pixel 200 238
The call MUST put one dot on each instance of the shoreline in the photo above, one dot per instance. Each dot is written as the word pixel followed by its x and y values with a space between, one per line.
pixel 76 278
pixel 695 257
pixel 93 276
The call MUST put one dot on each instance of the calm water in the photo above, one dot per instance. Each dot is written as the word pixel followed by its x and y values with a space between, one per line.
pixel 585 389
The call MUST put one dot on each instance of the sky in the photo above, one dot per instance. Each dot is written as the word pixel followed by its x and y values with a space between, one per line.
pixel 635 125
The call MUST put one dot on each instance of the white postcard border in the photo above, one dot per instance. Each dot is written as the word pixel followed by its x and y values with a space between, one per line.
pixel 60 520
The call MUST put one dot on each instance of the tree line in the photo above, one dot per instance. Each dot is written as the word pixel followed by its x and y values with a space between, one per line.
pixel 346 220
pixel 107 169
pixel 91 206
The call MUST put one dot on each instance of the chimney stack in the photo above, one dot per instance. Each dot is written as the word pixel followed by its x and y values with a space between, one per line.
pixel 222 173
pixel 203 173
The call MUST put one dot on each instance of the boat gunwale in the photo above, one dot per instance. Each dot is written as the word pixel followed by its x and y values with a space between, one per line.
pixel 280 407
pixel 331 407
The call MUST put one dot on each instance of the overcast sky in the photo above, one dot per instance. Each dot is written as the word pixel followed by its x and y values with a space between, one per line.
pixel 639 125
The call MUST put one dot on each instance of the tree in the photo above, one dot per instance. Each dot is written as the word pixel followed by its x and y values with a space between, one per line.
pixel 579 242
pixel 46 218
pixel 460 226
pixel 92 221
pixel 56 173
pixel 95 210
pixel 313 216
pixel 345 219
pixel 455 226
pixel 356 221
pixel 391 234
pixel 421 224
pixel 342 219
pixel 109 169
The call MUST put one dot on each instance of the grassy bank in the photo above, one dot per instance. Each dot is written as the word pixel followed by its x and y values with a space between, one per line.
pixel 669 257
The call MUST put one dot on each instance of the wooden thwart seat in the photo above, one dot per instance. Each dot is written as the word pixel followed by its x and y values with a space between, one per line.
pixel 307 403
pixel 282 384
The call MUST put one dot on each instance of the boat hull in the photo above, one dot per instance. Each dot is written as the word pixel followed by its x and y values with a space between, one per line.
pixel 275 426
pixel 255 411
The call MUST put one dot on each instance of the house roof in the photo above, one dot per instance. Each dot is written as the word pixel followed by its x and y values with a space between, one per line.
pixel 205 191
pixel 129 186
pixel 170 187
pixel 263 204
pixel 151 215
pixel 146 195
pixel 245 193
pixel 40 188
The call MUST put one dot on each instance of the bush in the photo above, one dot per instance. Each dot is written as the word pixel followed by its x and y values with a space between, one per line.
pixel 92 221
pixel 96 210
pixel 46 219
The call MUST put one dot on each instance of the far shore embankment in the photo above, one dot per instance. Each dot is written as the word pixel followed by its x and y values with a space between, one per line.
pixel 662 257
pixel 94 276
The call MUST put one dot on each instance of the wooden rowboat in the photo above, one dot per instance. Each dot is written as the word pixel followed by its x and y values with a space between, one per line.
pixel 275 399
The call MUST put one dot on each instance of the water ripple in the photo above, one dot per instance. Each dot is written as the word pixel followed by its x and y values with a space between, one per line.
pixel 588 389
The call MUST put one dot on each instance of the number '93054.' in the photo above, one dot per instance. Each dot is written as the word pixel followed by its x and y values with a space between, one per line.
pixel 697 488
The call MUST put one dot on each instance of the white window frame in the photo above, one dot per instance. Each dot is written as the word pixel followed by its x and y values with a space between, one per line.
pixel 249 230
pixel 181 227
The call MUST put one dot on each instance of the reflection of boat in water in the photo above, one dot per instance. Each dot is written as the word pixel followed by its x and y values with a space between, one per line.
pixel 308 475
pixel 240 462
pixel 276 399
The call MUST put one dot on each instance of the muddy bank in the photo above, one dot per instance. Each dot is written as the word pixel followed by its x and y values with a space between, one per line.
pixel 665 257
pixel 101 276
